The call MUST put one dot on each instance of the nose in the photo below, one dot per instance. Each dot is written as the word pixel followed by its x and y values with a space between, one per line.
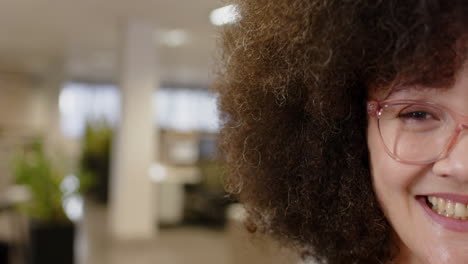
pixel 455 164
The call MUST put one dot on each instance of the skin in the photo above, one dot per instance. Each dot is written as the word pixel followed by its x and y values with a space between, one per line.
pixel 396 184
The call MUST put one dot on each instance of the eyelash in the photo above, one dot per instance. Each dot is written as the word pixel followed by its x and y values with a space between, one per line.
pixel 415 115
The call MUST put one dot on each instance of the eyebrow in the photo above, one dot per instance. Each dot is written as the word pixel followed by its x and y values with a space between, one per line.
pixel 414 87
pixel 397 89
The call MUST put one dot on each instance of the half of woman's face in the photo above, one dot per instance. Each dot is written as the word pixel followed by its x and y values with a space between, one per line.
pixel 402 189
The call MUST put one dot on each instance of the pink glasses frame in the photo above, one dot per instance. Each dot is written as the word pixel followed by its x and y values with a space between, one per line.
pixel 375 107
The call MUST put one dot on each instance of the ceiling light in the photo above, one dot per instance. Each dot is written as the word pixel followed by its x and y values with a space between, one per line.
pixel 224 15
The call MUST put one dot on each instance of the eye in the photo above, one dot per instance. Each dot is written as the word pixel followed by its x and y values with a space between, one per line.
pixel 416 112
pixel 416 115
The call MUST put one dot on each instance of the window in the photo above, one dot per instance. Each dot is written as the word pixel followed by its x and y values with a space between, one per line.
pixel 179 109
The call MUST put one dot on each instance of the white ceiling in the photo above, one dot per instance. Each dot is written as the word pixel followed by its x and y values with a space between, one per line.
pixel 80 37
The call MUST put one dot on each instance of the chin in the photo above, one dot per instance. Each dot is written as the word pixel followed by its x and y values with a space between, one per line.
pixel 447 248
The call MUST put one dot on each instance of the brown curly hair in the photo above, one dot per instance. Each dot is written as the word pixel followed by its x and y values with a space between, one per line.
pixel 292 94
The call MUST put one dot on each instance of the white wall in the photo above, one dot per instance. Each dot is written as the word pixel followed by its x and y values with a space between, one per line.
pixel 21 103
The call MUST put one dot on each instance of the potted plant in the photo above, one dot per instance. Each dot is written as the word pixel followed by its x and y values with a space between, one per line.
pixel 206 202
pixel 51 233
pixel 95 160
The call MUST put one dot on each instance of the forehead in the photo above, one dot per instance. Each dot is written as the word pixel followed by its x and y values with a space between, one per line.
pixel 456 85
pixel 429 77
pixel 454 97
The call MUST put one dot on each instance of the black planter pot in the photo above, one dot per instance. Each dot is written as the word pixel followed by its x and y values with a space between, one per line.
pixel 51 243
pixel 4 252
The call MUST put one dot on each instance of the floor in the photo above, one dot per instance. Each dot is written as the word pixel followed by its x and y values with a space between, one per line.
pixel 175 245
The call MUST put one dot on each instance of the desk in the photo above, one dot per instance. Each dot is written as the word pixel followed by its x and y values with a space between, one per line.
pixel 169 188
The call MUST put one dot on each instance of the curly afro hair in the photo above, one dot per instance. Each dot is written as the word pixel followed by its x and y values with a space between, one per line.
pixel 292 93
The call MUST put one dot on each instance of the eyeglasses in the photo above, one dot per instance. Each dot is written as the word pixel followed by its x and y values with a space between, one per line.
pixel 416 132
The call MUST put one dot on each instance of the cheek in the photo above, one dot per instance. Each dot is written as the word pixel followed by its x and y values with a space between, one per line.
pixel 380 161
pixel 378 164
pixel 389 177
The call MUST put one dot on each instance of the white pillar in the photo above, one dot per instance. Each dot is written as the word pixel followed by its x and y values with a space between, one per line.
pixel 49 103
pixel 131 208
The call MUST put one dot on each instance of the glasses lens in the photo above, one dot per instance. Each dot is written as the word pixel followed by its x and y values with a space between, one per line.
pixel 415 132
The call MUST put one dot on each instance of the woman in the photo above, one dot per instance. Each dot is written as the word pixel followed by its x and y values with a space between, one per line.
pixel 343 126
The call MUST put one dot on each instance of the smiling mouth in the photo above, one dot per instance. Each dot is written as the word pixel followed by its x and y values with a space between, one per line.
pixel 447 208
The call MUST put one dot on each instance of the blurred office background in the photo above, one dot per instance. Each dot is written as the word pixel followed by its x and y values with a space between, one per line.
pixel 108 134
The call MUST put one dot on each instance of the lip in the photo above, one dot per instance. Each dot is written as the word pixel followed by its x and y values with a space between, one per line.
pixel 446 222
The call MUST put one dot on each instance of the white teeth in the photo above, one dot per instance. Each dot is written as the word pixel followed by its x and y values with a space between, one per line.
pixel 448 208
pixel 460 211
pixel 441 205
